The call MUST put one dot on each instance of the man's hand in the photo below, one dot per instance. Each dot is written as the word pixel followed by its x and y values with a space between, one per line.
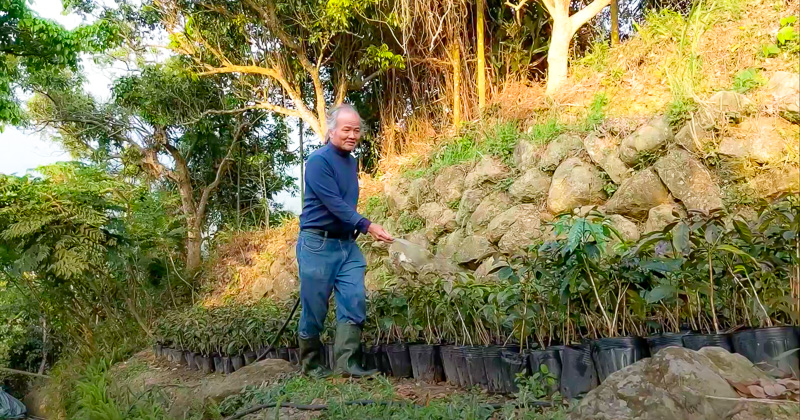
pixel 379 233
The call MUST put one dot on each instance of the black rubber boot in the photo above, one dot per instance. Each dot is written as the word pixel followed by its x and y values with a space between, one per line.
pixel 347 351
pixel 311 358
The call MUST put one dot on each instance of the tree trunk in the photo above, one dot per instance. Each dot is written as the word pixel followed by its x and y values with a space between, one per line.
pixel 558 54
pixel 44 346
pixel 194 239
pixel 481 59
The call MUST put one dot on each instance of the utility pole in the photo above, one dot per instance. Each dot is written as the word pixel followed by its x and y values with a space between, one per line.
pixel 302 167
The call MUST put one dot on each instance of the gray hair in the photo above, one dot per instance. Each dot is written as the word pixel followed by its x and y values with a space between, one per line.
pixel 333 116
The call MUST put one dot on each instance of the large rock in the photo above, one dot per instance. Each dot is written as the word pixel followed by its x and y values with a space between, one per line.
pixel 438 216
pixel 418 192
pixel 440 267
pixel 689 181
pixel 502 222
pixel 761 139
pixel 660 216
pixel 449 184
pixel 525 154
pixel 575 183
pixel 473 248
pixel 626 228
pixel 494 204
pixel 783 90
pixel 408 256
pixel 729 105
pixel 488 171
pixel 604 152
pixel 484 271
pixel 675 383
pixel 636 196
pixel 773 182
pixel 449 244
pixel 219 387
pixel 469 202
pixel 560 148
pixel 397 197
pixel 532 186
pixel 525 231
pixel 693 136
pixel 284 285
pixel 648 138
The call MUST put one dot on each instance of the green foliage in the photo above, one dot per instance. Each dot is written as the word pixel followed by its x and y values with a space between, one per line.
pixel 33 50
pixel 536 387
pixel 83 246
pixel 786 39
pixel 500 141
pixel 408 222
pixel 596 112
pixel 545 132
pixel 335 394
pixel 748 79
pixel 377 207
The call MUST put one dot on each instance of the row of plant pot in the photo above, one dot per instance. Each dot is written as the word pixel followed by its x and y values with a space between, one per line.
pixel 210 363
pixel 575 369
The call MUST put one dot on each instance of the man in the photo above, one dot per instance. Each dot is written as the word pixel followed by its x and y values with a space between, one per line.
pixel 327 253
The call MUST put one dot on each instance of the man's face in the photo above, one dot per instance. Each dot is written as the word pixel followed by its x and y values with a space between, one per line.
pixel 347 132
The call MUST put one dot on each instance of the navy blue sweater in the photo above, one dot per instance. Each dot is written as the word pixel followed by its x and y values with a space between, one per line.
pixel 332 192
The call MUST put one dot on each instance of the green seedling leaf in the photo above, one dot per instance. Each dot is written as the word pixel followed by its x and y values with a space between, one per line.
pixel 660 292
pixel 680 237
pixel 786 354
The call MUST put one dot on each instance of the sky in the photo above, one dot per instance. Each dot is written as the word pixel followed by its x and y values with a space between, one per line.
pixel 23 150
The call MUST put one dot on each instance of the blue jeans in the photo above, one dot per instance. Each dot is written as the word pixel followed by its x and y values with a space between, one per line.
pixel 327 265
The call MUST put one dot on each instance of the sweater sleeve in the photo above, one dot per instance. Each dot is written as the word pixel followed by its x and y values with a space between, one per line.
pixel 320 179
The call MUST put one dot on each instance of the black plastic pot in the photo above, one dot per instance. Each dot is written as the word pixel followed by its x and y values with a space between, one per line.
pixel 612 354
pixel 227 365
pixel 475 367
pixel 294 355
pixel 426 362
pixel 551 358
pixel 381 359
pixel 493 367
pixel 399 360
pixel 762 345
pixel 698 341
pixel 204 363
pixel 218 367
pixel 462 371
pixel 189 355
pixel 368 357
pixel 662 341
pixel 250 357
pixel 158 350
pixel 179 356
pixel 237 361
pixel 512 363
pixel 283 353
pixel 448 364
pixel 578 374
pixel 271 354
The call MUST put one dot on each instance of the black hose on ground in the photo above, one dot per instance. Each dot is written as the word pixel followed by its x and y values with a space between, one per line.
pixel 280 332
pixel 318 407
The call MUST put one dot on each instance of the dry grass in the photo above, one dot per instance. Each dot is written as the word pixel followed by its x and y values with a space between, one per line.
pixel 674 57
pixel 239 261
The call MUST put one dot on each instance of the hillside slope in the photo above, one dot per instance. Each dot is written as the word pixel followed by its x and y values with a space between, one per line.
pixel 696 113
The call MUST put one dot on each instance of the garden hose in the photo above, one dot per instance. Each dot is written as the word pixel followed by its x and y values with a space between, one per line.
pixel 280 332
pixel 317 407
